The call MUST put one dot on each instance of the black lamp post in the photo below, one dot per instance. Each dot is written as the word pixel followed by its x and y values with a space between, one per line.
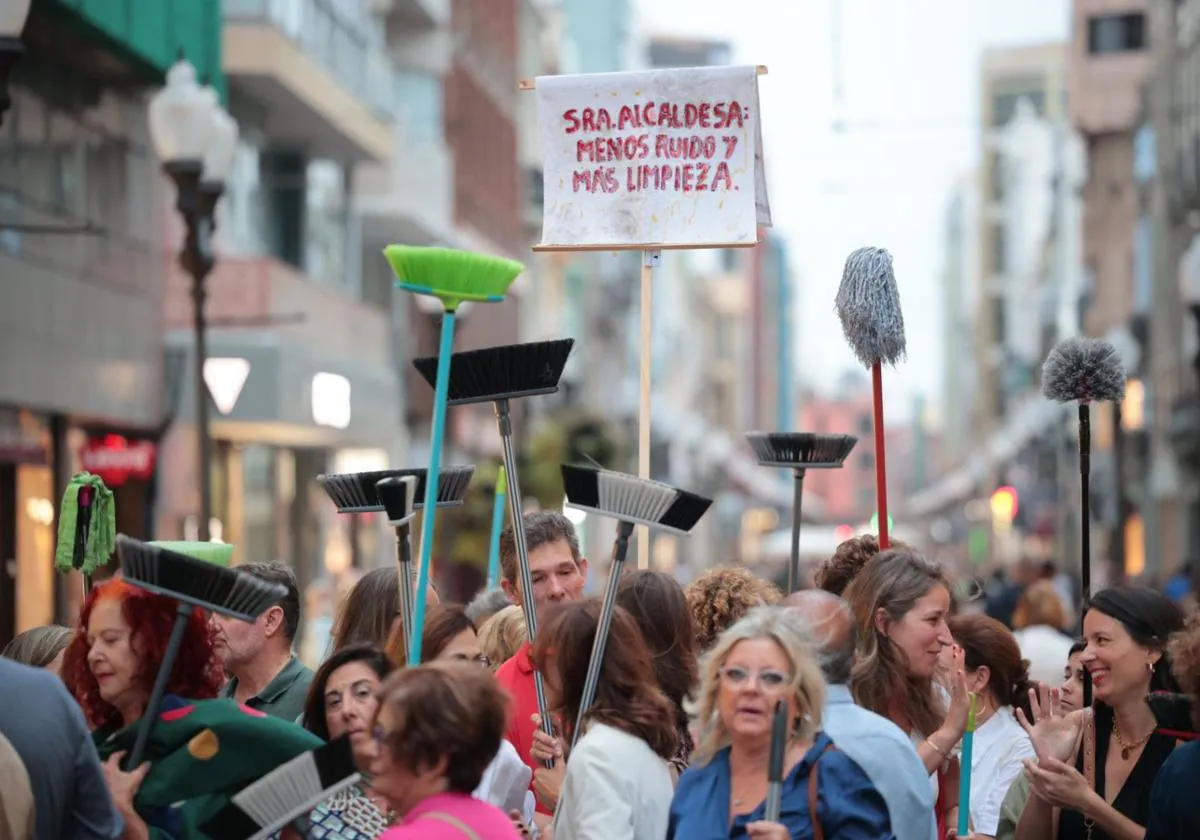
pixel 12 22
pixel 196 140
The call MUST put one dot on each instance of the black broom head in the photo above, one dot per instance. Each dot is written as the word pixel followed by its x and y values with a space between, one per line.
pixel 399 498
pixel 287 792
pixel 800 450
pixel 632 499
pixel 358 492
pixel 195 581
pixel 501 373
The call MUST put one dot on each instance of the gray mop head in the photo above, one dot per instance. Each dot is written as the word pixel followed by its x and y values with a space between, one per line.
pixel 868 305
pixel 1083 370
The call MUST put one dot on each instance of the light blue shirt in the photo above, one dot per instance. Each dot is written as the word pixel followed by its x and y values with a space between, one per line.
pixel 888 758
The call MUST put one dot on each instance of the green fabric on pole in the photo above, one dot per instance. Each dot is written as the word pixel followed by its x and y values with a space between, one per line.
pixel 71 553
pixel 220 554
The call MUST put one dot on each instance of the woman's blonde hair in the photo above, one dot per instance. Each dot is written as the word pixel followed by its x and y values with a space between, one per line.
pixel 892 581
pixel 39 646
pixel 1040 605
pixel 721 596
pixel 502 635
pixel 807 686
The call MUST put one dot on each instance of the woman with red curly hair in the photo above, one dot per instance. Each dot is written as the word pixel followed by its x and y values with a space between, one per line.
pixel 202 750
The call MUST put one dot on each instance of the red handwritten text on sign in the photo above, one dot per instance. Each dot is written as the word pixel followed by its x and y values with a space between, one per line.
pixel 628 148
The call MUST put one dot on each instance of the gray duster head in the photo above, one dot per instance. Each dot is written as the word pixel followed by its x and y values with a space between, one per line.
pixel 868 305
pixel 1083 370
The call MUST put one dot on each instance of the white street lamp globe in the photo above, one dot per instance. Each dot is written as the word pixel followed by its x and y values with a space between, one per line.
pixel 12 17
pixel 181 118
pixel 222 149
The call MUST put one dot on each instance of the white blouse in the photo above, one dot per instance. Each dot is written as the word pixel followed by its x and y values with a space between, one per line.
pixel 616 788
pixel 999 747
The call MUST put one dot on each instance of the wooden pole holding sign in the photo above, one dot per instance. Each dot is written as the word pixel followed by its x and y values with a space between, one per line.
pixel 651 160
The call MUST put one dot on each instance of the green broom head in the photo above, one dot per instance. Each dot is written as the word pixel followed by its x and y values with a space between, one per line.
pixel 452 276
pixel 87 525
pixel 800 450
pixel 210 552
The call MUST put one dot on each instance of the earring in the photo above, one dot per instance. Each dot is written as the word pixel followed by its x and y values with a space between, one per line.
pixel 1150 666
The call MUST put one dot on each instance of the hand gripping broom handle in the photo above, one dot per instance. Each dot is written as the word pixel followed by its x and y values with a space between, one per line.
pixel 797 501
pixel 404 561
pixel 432 477
pixel 880 459
pixel 1085 535
pixel 620 550
pixel 504 425
pixel 183 614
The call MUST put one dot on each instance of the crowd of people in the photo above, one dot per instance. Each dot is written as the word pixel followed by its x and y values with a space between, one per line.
pixel 878 666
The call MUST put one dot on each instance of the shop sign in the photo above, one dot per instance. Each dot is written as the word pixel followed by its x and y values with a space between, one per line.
pixel 116 459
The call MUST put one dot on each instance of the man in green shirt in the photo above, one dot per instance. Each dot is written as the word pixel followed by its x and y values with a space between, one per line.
pixel 264 673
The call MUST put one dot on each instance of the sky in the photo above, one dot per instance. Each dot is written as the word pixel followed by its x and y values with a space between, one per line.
pixel 910 84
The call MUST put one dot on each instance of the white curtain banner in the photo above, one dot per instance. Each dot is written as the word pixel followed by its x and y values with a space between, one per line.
pixel 658 158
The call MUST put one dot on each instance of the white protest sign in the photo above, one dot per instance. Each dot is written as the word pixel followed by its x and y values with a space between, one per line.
pixel 652 159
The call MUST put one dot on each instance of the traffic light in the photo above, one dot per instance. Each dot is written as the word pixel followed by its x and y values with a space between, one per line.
pixel 1004 505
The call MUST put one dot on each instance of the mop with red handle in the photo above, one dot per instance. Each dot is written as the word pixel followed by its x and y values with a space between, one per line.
pixel 868 305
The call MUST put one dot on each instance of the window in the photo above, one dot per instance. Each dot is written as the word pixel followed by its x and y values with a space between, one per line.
pixel 1004 105
pixel 866 462
pixel 999 247
pixel 1116 33
pixel 864 425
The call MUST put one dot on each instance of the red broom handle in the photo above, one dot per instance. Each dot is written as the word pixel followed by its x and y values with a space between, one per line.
pixel 880 459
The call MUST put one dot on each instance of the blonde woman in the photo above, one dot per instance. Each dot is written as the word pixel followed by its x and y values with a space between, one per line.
pixel 502 635
pixel 760 660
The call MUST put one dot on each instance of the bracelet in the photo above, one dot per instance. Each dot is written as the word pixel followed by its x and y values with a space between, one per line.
pixel 945 756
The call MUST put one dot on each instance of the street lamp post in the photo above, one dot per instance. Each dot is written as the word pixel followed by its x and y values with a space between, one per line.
pixel 12 22
pixel 196 141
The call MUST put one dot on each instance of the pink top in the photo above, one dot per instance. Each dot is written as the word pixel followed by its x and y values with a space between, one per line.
pixel 453 816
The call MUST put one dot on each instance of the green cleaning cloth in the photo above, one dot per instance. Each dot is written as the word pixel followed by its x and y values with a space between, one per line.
pixel 102 533
pixel 220 554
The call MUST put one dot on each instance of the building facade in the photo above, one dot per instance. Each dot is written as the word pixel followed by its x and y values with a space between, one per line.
pixel 302 362
pixel 83 382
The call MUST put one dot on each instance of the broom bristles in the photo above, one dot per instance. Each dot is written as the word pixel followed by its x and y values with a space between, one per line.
pixel 868 305
pixel 287 792
pixel 450 275
pixel 510 371
pixel 800 449
pixel 359 492
pixel 1083 370
pixel 632 499
pixel 194 581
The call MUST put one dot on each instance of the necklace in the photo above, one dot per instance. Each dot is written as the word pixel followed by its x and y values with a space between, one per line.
pixel 1128 748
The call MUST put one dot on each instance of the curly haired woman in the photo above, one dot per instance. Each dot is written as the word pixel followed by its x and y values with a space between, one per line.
pixel 1174 807
pixel 202 750
pixel 721 596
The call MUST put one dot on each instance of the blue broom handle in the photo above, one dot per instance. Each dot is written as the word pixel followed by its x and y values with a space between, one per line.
pixel 440 396
pixel 493 572
pixel 183 614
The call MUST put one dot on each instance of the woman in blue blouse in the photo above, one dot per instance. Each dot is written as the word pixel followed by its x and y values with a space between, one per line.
pixel 755 663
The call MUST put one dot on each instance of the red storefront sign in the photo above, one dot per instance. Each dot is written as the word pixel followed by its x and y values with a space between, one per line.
pixel 116 460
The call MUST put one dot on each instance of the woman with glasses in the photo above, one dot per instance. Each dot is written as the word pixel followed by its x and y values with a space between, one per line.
pixel 450 635
pixel 762 659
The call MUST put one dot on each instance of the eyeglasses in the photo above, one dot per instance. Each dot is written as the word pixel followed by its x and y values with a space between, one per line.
pixel 768 678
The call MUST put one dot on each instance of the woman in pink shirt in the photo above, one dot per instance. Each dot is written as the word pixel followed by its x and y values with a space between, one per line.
pixel 437 729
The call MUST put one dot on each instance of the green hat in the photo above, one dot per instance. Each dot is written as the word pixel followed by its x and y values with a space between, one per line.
pixel 218 553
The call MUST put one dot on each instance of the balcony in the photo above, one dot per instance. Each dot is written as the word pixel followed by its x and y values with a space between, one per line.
pixel 411 199
pixel 330 88
pixel 414 14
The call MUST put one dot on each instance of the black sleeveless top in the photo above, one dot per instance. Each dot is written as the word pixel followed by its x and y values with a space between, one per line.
pixel 1133 801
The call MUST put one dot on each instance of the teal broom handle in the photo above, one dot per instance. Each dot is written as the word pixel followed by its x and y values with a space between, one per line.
pixel 440 396
pixel 493 573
